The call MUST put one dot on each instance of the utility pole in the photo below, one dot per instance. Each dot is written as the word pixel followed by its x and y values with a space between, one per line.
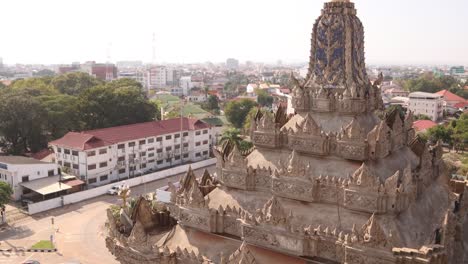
pixel 181 134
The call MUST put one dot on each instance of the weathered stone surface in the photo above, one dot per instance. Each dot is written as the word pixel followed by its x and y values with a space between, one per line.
pixel 332 183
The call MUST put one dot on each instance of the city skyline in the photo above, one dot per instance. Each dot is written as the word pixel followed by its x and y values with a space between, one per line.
pixel 397 32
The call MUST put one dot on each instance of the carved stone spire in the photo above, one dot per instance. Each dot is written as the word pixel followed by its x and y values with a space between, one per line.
pixel 206 178
pixel 195 196
pixel 235 158
pixel 392 183
pixel 373 233
pixel 273 212
pixel 365 178
pixel 309 125
pixel 267 123
pixel 353 131
pixel 242 256
pixel 187 181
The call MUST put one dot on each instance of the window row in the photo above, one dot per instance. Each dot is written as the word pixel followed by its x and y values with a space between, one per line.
pixel 151 140
pixel 94 166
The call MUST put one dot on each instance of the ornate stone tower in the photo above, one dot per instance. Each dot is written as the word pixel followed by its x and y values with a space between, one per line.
pixel 331 184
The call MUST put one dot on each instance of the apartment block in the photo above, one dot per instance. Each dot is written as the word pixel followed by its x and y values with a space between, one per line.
pixel 112 154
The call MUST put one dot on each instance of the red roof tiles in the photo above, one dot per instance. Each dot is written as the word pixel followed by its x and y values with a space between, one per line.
pixel 107 136
pixel 449 96
pixel 421 125
pixel 461 104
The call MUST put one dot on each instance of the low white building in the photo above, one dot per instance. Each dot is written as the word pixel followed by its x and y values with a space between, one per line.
pixel 112 154
pixel 17 170
pixel 429 104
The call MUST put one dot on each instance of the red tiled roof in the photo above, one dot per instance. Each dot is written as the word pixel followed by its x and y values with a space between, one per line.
pixel 421 125
pixel 461 104
pixel 107 136
pixel 74 183
pixel 41 154
pixel 448 96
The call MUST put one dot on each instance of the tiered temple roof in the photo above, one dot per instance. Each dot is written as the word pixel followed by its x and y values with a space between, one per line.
pixel 332 184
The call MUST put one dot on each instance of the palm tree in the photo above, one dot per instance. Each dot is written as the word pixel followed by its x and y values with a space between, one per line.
pixel 229 139
pixel 206 89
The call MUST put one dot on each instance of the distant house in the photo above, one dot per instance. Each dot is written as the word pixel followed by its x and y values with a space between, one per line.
pixel 399 100
pixel 461 105
pixel 450 98
pixel 26 175
pixel 423 125
pixel 396 92
pixel 196 96
pixel 429 104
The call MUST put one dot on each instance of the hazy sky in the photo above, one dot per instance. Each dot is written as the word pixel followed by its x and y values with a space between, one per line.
pixel 58 31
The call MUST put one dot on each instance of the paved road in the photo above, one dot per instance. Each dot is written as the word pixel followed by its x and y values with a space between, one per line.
pixel 80 226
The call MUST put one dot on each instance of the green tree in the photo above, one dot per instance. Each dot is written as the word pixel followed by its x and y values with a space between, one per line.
pixel 206 89
pixel 124 82
pixel 5 193
pixel 62 114
pixel 460 132
pixel 103 106
pixel 34 86
pixel 264 99
pixel 74 83
pixel 248 120
pixel 44 72
pixel 421 117
pixel 236 111
pixel 213 103
pixel 440 133
pixel 21 123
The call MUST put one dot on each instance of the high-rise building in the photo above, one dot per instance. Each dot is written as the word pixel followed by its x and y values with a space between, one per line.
pixel 104 71
pixel 232 64
pixel 1 63
pixel 172 77
pixel 156 77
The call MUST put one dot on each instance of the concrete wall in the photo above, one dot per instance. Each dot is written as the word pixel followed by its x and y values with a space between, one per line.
pixel 84 195
pixel 44 205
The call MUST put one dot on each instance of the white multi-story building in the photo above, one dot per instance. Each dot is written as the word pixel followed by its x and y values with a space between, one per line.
pixel 112 154
pixel 16 170
pixel 185 85
pixel 156 77
pixel 428 104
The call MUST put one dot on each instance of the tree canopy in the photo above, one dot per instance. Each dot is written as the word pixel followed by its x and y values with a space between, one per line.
pixel 74 83
pixel 21 122
pixel 236 111
pixel 5 193
pixel 36 110
pixel 455 134
pixel 431 84
pixel 264 99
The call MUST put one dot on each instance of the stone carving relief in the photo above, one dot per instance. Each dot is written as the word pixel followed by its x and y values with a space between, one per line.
pixel 379 141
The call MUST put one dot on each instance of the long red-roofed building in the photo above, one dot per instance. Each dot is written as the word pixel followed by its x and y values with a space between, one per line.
pixel 110 154
pixel 450 98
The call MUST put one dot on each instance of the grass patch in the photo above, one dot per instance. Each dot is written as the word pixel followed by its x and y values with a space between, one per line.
pixel 43 244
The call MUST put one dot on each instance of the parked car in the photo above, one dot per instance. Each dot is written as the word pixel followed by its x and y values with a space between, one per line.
pixel 114 190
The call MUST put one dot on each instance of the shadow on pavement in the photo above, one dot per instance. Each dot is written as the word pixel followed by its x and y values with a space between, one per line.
pixel 15 232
